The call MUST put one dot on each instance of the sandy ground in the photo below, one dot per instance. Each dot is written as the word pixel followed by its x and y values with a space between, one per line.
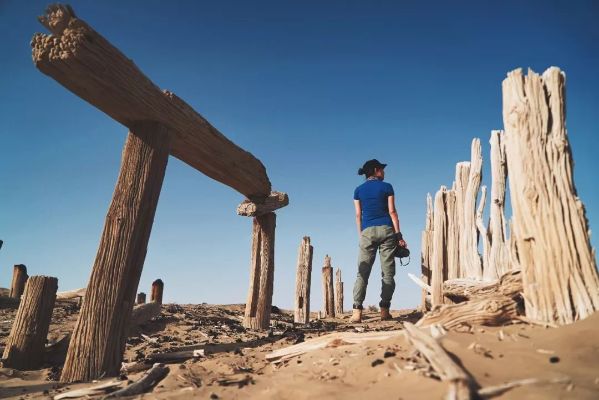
pixel 234 366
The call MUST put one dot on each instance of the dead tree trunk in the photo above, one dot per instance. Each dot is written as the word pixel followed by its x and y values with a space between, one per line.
pixel 453 229
pixel 338 293
pixel 19 278
pixel 303 279
pixel 427 248
pixel 559 269
pixel 262 268
pixel 439 259
pixel 462 173
pixel 328 294
pixel 469 257
pixel 98 340
pixel 482 232
pixel 157 290
pixel 141 298
pixel 499 262
pixel 25 346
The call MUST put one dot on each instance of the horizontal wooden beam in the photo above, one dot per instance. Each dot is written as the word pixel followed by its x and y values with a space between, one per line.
pixel 84 62
pixel 273 202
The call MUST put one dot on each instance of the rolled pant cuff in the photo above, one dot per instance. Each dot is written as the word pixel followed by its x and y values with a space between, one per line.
pixel 385 304
pixel 358 307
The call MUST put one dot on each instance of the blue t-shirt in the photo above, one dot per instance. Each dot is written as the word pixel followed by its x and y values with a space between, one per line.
pixel 373 195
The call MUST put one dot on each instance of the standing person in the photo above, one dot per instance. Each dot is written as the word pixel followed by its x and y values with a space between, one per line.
pixel 378 228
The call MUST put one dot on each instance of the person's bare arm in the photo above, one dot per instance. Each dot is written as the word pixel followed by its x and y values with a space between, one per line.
pixel 358 216
pixel 394 217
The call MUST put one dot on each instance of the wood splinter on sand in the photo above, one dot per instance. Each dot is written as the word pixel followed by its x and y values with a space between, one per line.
pixel 25 345
pixel 328 293
pixel 303 279
pixel 19 278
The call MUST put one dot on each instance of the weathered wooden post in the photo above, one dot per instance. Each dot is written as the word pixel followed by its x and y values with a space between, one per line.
pixel 25 346
pixel 141 298
pixel 482 231
pixel 453 229
pixel 328 293
pixel 303 281
pixel 427 249
pixel 19 278
pixel 157 291
pixel 439 257
pixel 469 256
pixel 338 293
pixel 99 336
pixel 551 231
pixel 462 173
pixel 499 260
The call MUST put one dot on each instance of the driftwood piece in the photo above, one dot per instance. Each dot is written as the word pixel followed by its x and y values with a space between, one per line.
pixel 141 298
pixel 491 311
pixel 150 379
pixel 561 283
pixel 274 201
pixel 461 384
pixel 338 293
pixel 509 285
pixel 84 62
pixel 462 174
pixel 19 279
pixel 303 279
pixel 176 356
pixel 439 259
pixel 328 292
pixel 157 291
pixel 25 345
pixel 71 294
pixel 262 269
pixel 469 258
pixel 427 248
pixel 496 390
pixel 90 391
pixel 100 333
pixel 498 260
pixel 331 340
pixel 482 233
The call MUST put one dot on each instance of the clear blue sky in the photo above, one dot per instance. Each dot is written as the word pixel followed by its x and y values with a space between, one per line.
pixel 313 89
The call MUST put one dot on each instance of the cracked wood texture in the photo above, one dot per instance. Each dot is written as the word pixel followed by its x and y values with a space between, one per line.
pixel 551 231
pixel 25 346
pixel 83 61
pixel 99 337
pixel 439 258
pixel 19 279
pixel 453 229
pixel 273 202
pixel 303 280
pixel 328 291
pixel 338 293
pixel 262 269
pixel 482 232
pixel 469 257
pixel 498 260
pixel 426 249
pixel 462 173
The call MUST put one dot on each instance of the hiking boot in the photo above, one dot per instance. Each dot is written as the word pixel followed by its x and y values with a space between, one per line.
pixel 356 316
pixel 385 314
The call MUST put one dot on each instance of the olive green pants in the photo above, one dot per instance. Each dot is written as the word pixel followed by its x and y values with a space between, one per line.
pixel 383 239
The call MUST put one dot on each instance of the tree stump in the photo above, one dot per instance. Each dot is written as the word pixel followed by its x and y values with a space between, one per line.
pixel 427 249
pixel 338 293
pixel 25 346
pixel 439 258
pixel 462 173
pixel 302 282
pixel 157 290
pixel 141 298
pixel 99 336
pixel 328 293
pixel 19 278
pixel 469 257
pixel 559 269
pixel 262 268
pixel 482 233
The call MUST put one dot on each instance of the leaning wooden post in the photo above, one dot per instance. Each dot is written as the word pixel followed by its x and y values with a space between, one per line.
pixel 469 257
pixel 328 293
pixel 499 262
pixel 338 293
pixel 141 298
pixel 157 291
pixel 462 173
pixel 25 346
pixel 99 336
pixel 427 249
pixel 302 282
pixel 559 268
pixel 439 258
pixel 19 278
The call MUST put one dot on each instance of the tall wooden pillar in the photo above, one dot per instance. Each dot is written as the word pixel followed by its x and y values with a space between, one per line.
pixel 426 253
pixel 99 336
pixel 338 293
pixel 19 278
pixel 328 293
pixel 157 290
pixel 439 258
pixel 262 268
pixel 303 281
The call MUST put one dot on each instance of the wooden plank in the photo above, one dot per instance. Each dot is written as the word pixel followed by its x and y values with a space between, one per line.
pixel 83 61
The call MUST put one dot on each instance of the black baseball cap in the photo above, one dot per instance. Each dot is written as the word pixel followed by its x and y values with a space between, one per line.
pixel 371 165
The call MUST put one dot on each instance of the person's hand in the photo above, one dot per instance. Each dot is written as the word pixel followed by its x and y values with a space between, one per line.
pixel 402 243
